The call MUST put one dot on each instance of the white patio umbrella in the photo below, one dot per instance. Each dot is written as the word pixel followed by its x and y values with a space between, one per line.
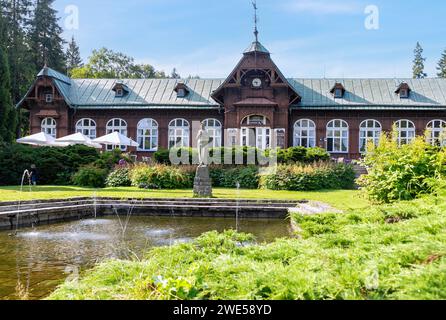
pixel 41 139
pixel 116 139
pixel 78 138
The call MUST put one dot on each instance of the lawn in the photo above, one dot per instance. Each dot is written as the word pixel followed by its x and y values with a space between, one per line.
pixel 382 252
pixel 341 199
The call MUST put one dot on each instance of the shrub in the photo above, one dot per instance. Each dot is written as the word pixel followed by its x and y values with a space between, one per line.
pixel 90 176
pixel 295 154
pixel 403 173
pixel 54 165
pixel 120 177
pixel 248 177
pixel 317 176
pixel 161 177
pixel 162 156
pixel 316 155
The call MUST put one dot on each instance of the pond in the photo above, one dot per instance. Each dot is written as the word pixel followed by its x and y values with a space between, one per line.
pixel 36 261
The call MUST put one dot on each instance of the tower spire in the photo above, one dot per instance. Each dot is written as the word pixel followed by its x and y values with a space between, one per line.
pixel 256 31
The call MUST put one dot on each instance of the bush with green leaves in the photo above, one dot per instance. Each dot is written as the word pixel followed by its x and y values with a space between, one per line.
pixel 246 176
pixel 318 176
pixel 120 177
pixel 161 177
pixel 90 176
pixel 55 166
pixel 402 173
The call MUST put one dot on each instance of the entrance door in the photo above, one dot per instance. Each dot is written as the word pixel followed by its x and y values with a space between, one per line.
pixel 256 137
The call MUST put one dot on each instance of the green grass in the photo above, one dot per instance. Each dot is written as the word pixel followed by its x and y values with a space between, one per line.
pixel 341 199
pixel 381 252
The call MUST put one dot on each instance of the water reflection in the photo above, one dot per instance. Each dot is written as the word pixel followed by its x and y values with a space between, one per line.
pixel 37 260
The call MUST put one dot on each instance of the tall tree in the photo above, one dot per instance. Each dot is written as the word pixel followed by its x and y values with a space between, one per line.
pixel 45 37
pixel 8 116
pixel 105 63
pixel 442 66
pixel 418 63
pixel 16 14
pixel 73 56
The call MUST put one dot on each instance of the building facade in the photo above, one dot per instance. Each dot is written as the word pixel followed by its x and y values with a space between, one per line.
pixel 254 106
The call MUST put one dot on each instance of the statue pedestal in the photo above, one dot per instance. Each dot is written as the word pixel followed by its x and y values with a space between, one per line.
pixel 203 183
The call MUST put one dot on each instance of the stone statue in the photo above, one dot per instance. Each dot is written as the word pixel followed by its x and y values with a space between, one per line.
pixel 203 139
pixel 202 182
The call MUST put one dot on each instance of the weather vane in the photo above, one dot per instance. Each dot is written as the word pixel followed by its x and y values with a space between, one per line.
pixel 256 31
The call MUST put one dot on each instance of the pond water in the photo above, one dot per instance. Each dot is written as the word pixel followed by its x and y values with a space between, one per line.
pixel 36 261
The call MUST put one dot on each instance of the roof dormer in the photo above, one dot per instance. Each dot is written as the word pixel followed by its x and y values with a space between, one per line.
pixel 338 90
pixel 182 90
pixel 403 90
pixel 120 89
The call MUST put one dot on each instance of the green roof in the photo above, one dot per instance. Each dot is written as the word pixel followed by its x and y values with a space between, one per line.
pixel 366 94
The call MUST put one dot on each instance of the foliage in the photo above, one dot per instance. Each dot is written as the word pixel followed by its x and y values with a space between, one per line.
pixel 402 173
pixel 105 63
pixel 418 63
pixel 120 177
pixel 318 176
pixel 73 56
pixel 8 116
pixel 161 177
pixel 54 165
pixel 90 176
pixel 442 66
pixel 359 255
pixel 247 155
pixel 46 42
pixel 246 176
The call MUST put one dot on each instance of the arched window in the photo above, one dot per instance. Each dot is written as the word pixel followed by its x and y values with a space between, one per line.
pixel 49 126
pixel 369 131
pixel 117 125
pixel 437 132
pixel 179 131
pixel 337 136
pixel 147 135
pixel 255 120
pixel 305 133
pixel 87 127
pixel 406 131
pixel 214 128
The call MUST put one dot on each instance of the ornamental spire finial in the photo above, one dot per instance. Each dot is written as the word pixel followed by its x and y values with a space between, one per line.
pixel 256 20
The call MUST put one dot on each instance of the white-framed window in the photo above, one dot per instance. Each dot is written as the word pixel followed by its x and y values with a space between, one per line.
pixel 337 136
pixel 214 129
pixel 255 120
pixel 406 131
pixel 116 125
pixel 437 132
pixel 305 133
pixel 119 93
pixel 147 135
pixel 369 131
pixel 179 133
pixel 87 127
pixel 48 97
pixel 49 126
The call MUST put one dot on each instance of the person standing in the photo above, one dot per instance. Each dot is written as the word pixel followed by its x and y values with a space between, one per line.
pixel 33 175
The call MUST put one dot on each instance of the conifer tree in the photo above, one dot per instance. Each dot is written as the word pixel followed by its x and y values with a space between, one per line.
pixel 418 63
pixel 45 37
pixel 73 56
pixel 16 14
pixel 8 116
pixel 442 66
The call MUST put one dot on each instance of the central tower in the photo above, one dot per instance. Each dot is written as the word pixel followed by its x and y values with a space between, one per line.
pixel 256 98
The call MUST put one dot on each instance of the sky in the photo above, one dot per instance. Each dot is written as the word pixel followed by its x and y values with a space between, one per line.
pixel 307 38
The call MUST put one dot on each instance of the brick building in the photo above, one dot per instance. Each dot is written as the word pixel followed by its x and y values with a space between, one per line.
pixel 254 106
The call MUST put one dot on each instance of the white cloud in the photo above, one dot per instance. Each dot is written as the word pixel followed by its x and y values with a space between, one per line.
pixel 323 7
